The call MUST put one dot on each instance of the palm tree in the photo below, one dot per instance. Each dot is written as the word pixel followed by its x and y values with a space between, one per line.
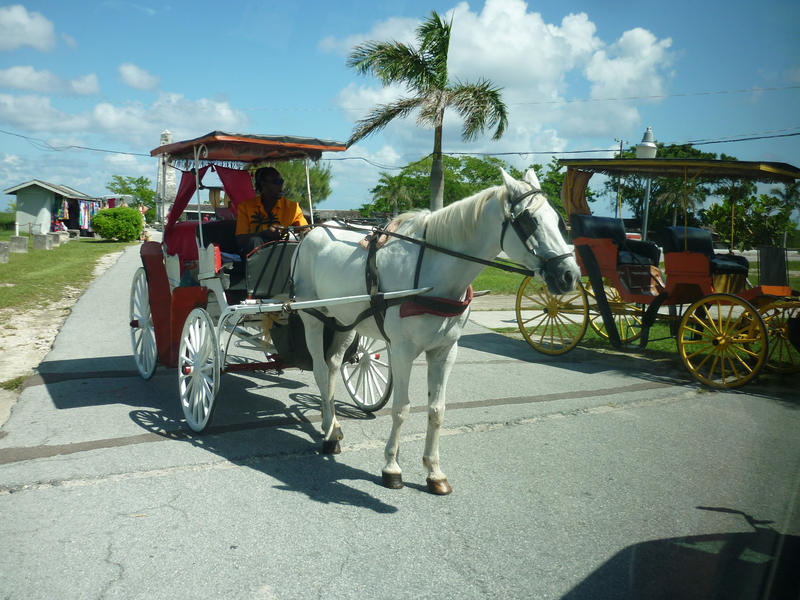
pixel 424 72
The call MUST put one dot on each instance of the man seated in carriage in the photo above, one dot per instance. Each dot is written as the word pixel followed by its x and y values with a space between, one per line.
pixel 262 218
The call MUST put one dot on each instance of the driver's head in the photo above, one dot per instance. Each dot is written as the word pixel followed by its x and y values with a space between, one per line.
pixel 269 181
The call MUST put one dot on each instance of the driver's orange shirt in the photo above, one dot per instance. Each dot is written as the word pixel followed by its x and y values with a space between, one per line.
pixel 252 218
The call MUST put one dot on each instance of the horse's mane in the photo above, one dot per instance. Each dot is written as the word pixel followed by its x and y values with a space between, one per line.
pixel 452 224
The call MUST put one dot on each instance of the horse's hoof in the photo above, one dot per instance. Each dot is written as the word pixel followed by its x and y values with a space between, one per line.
pixel 331 447
pixel 440 487
pixel 393 481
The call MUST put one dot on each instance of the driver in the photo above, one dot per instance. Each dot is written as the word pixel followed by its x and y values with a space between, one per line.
pixel 261 218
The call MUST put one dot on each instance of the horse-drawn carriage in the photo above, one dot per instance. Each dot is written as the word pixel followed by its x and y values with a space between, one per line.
pixel 355 292
pixel 726 328
pixel 197 297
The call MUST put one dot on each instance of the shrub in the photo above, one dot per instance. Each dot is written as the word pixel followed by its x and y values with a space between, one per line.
pixel 124 223
pixel 7 220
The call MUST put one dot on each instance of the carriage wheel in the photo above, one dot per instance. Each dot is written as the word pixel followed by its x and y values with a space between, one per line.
pixel 551 324
pixel 143 334
pixel 198 369
pixel 628 322
pixel 722 341
pixel 783 356
pixel 368 375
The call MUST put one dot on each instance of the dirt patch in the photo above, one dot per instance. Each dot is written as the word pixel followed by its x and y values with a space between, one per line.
pixel 27 335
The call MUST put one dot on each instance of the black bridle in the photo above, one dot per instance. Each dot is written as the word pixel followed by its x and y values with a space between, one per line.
pixel 523 223
pixel 525 226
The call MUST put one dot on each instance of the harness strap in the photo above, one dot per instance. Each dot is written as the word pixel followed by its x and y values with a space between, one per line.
pixel 377 302
pixel 419 257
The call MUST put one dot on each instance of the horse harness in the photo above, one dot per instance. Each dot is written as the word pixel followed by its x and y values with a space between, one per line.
pixel 524 225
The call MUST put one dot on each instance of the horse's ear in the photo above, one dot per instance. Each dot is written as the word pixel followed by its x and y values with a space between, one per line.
pixel 508 180
pixel 530 177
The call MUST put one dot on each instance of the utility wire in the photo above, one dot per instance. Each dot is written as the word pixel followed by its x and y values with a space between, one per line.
pixel 44 145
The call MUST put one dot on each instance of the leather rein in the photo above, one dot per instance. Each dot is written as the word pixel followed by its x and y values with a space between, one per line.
pixel 523 223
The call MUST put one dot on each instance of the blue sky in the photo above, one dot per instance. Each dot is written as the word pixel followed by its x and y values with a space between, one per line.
pixel 576 75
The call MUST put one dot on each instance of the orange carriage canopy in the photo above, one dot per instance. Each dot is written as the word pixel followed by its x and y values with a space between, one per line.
pixel 580 170
pixel 247 148
pixel 768 172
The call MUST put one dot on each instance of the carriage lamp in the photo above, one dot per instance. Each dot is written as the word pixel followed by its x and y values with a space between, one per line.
pixel 646 149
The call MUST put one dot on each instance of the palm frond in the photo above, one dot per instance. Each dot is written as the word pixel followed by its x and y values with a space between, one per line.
pixel 391 62
pixel 381 116
pixel 481 106
pixel 434 44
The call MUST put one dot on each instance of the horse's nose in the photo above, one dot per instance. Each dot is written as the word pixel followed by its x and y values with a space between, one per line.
pixel 569 279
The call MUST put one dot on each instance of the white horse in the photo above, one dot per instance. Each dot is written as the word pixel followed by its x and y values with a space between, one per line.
pixel 514 217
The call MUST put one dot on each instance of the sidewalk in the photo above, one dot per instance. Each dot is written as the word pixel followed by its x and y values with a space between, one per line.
pixel 494 311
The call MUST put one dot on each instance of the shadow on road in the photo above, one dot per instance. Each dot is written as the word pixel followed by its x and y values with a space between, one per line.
pixel 757 565
pixel 278 439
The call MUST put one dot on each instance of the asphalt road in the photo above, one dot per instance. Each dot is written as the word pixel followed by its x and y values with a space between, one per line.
pixel 586 476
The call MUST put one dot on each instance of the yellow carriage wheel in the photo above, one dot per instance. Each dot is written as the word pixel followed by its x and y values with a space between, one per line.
pixel 783 356
pixel 626 317
pixel 722 341
pixel 551 324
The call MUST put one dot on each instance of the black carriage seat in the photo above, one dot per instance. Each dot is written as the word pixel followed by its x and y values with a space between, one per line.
pixel 223 234
pixel 269 269
pixel 629 252
pixel 694 239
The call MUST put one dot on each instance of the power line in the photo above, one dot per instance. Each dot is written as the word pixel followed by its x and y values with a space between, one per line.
pixel 44 145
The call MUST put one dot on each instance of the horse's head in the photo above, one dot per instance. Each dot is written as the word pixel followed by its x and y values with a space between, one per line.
pixel 532 234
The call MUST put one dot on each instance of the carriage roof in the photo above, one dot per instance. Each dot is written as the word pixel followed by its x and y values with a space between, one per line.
pixel 769 172
pixel 247 148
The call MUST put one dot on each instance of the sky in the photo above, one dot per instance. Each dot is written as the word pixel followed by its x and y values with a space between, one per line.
pixel 86 88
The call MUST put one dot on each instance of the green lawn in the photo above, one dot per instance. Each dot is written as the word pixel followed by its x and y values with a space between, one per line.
pixel 39 277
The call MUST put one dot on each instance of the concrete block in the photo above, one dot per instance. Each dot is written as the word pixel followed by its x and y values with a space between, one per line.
pixel 19 243
pixel 63 237
pixel 4 247
pixel 55 239
pixel 42 241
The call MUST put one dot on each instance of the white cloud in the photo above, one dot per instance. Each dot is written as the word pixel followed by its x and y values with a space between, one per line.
pixel 131 124
pixel 85 85
pixel 395 28
pixel 18 28
pixel 69 40
pixel 539 65
pixel 36 114
pixel 630 67
pixel 28 79
pixel 136 77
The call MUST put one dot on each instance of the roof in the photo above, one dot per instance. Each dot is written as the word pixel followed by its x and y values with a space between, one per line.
pixel 769 172
pixel 61 190
pixel 238 147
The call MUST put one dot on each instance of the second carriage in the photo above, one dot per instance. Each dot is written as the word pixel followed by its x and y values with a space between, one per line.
pixel 726 329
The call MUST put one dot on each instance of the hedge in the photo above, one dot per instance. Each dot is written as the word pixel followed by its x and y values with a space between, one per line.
pixel 7 220
pixel 123 223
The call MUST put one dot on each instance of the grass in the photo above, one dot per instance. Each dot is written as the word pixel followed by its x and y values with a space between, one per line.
pixel 40 277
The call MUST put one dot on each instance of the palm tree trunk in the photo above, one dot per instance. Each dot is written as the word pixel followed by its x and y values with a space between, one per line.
pixel 437 171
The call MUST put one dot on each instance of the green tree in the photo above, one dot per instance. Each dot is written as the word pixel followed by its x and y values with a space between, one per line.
pixel 138 187
pixel 464 176
pixel 423 70
pixel 668 196
pixel 391 195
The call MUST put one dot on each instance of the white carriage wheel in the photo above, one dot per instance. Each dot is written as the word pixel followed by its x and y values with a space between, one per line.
pixel 198 369
pixel 368 375
pixel 143 334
